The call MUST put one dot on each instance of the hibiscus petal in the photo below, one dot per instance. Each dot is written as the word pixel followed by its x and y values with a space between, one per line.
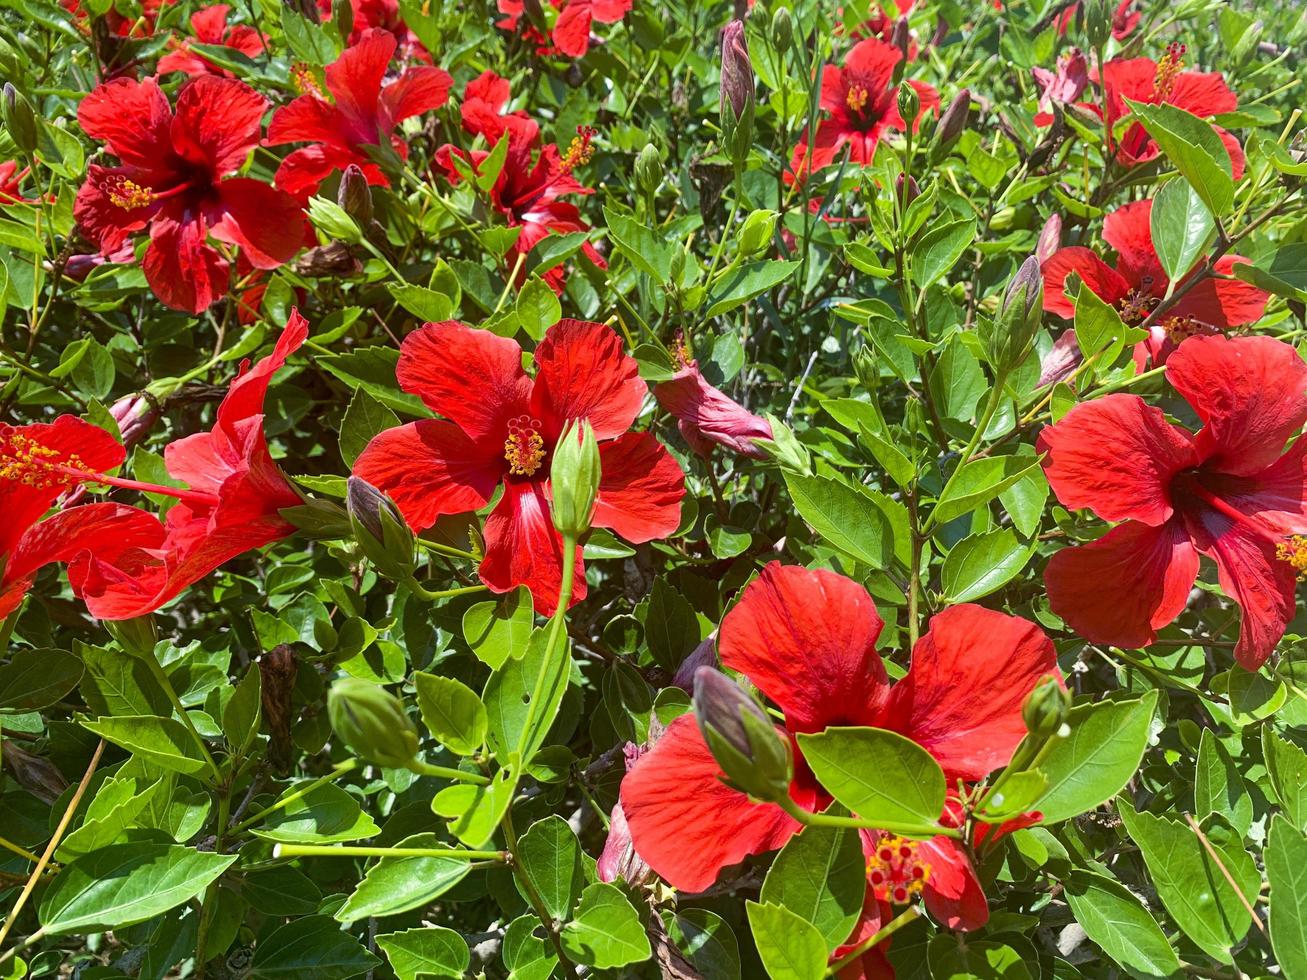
pixel 307 118
pixel 1126 585
pixel 807 639
pixel 429 468
pixel 217 123
pixel 953 894
pixel 355 79
pixel 266 223
pixel 1128 229
pixel 708 416
pixel 184 270
pixel 1202 93
pixel 1277 496
pixel 471 377
pixel 610 11
pixel 873 62
pixel 970 674
pixel 1102 280
pixel 1116 456
pixel 571 32
pixel 1223 302
pixel 685 823
pixel 1250 392
pixel 416 91
pixel 246 394
pixel 640 488
pixel 133 119
pixel 522 548
pixel 582 372
pixel 304 170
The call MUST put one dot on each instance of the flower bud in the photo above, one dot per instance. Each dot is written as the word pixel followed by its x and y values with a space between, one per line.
pixel 574 478
pixel 380 529
pixel 909 103
pixel 1050 238
pixel 136 636
pixel 1018 318
pixel 954 120
pixel 782 29
pixel 372 723
pixel 648 169
pixel 19 119
pixel 900 36
pixel 910 193
pixel 753 757
pixel 756 232
pixel 342 15
pixel 355 196
pixel 135 415
pixel 866 368
pixel 1098 23
pixel 1046 709
pixel 736 102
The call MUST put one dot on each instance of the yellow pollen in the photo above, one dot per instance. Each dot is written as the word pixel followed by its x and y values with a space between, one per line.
pixel 1135 306
pixel 857 98
pixel 127 194
pixel 1294 551
pixel 1180 328
pixel 1167 68
pixel 894 871
pixel 26 461
pixel 304 80
pixel 681 349
pixel 579 151
pixel 525 448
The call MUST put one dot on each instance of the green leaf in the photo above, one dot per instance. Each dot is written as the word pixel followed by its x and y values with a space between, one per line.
pixel 744 283
pixel 373 369
pixel 538 308
pixel 326 814
pixel 123 884
pixel 1181 226
pixel 982 959
pixel 983 563
pixel 1286 868
pixel 474 811
pixel 1193 147
pixel 499 631
pixel 452 712
pixel 365 418
pixel 400 884
pixel 243 713
pixel 844 517
pixel 1190 882
pixel 425 304
pixel 1118 923
pixel 551 858
pixel 979 481
pixel 707 941
pixel 431 952
pixel 957 383
pixel 1286 764
pixel 606 931
pixel 639 244
pixel 1284 274
pixel 35 679
pixel 905 786
pixel 789 947
pixel 1103 751
pixel 1099 328
pixel 939 249
pixel 541 676
pixel 821 875
pixel 163 741
pixel 670 626
pixel 311 947
pixel 1218 786
pixel 897 466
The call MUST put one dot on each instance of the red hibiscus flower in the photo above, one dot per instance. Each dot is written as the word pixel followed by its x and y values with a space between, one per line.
pixel 381 15
pixel 571 31
pixel 483 113
pixel 232 504
pixel 708 417
pixel 118 24
pixel 1063 86
pixel 1204 94
pixel 861 99
pixel 365 114
pixel 11 183
pixel 1137 284
pixel 807 640
pixel 171 181
pixel 38 464
pixel 210 27
pixel 1229 491
pixel 1124 19
pixel 501 425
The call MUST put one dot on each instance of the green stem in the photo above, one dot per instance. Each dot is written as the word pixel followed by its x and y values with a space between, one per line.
pixel 22 852
pixel 533 896
pixel 556 628
pixel 444 549
pixel 987 416
pixel 444 772
pixel 915 830
pixel 422 593
pixel 344 850
pixel 895 924
pixel 161 676
pixel 299 794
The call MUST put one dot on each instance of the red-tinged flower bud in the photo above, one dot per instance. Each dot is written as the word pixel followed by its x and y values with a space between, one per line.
pixel 1008 339
pixel 909 102
pixel 909 193
pixel 704 655
pixel 574 475
pixel 19 119
pixel 1050 238
pixel 1045 710
pixel 619 858
pixel 380 529
pixel 752 755
pixel 736 102
pixel 332 259
pixel 372 723
pixel 135 415
pixel 355 196
pixel 900 36
pixel 954 120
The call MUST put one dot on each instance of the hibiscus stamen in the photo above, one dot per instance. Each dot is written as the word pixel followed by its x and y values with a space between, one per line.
pixel 1294 551
pixel 681 349
pixel 1168 67
pixel 26 461
pixel 127 194
pixel 305 80
pixel 857 97
pixel 895 872
pixel 579 151
pixel 1136 305
pixel 525 447
pixel 1179 328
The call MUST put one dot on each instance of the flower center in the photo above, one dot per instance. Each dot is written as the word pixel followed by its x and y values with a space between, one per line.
pixel 1180 328
pixel 579 151
pixel 26 461
pixel 304 80
pixel 895 872
pixel 127 194
pixel 1136 305
pixel 681 349
pixel 857 97
pixel 525 447
pixel 1294 551
pixel 1168 67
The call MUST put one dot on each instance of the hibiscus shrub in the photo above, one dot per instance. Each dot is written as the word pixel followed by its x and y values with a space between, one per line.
pixel 794 489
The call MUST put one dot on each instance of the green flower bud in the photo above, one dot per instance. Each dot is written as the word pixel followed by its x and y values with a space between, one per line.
pixel 649 169
pixel 380 529
pixel 372 723
pixel 909 103
pixel 19 119
pixel 136 636
pixel 354 195
pixel 1018 318
pixel 866 368
pixel 574 478
pixel 756 232
pixel 753 757
pixel 1046 708
pixel 782 29
pixel 1098 22
pixel 342 15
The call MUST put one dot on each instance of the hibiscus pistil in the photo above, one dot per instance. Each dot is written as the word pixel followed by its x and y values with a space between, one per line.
pixel 1136 305
pixel 127 194
pixel 525 447
pixel 305 81
pixel 857 98
pixel 895 871
pixel 579 151
pixel 1168 67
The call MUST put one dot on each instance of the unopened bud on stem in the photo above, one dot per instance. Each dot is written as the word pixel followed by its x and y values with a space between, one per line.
pixel 736 101
pixel 1046 709
pixel 380 529
pixel 19 119
pixel 753 757
pixel 355 196
pixel 574 475
pixel 372 722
